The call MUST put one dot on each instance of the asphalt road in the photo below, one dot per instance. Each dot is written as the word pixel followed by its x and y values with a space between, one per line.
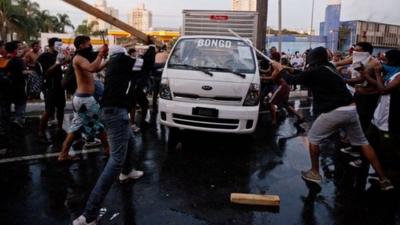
pixel 192 185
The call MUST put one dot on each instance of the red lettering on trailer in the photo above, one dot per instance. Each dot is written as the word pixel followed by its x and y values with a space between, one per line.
pixel 219 17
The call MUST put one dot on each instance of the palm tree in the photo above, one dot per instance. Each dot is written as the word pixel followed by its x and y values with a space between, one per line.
pixel 85 28
pixel 64 21
pixel 46 22
pixel 13 19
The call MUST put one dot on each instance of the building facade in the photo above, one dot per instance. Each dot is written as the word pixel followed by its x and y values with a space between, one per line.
pixel 100 25
pixel 140 18
pixel 330 27
pixel 244 5
pixel 382 36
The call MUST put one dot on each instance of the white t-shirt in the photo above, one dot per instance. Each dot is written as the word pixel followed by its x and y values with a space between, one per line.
pixel 297 62
pixel 381 115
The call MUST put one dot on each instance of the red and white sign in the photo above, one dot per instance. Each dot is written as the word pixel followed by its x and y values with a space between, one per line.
pixel 219 17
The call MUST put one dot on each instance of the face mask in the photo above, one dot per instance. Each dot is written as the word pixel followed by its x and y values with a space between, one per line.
pixel 58 46
pixel 362 57
pixel 87 53
pixel 389 71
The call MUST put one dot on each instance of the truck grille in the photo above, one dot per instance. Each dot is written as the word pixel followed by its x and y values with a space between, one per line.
pixel 216 98
pixel 206 122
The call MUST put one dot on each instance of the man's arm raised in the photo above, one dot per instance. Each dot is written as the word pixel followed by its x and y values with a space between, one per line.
pixel 95 65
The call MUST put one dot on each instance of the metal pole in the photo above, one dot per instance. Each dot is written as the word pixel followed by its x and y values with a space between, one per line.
pixel 251 46
pixel 312 22
pixel 262 9
pixel 280 25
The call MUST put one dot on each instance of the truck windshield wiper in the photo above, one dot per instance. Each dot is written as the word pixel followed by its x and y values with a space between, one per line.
pixel 201 69
pixel 229 71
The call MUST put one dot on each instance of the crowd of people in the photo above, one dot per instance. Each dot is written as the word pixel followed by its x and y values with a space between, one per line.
pixel 354 95
pixel 58 72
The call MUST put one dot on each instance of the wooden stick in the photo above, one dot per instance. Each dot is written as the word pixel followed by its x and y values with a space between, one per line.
pixel 251 46
pixel 253 199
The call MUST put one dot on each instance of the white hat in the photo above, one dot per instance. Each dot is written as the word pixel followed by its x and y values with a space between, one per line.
pixel 116 49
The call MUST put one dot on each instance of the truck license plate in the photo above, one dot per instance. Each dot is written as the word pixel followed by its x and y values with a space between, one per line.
pixel 205 112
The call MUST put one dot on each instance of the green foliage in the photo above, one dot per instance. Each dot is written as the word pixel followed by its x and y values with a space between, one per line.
pixel 25 18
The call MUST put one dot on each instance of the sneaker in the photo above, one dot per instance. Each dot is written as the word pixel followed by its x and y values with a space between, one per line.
pixel 135 128
pixel 356 163
pixel 386 185
pixel 134 174
pixel 82 221
pixel 311 176
pixel 350 151
pixel 52 123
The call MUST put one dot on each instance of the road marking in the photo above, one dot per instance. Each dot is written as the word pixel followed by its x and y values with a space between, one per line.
pixel 43 156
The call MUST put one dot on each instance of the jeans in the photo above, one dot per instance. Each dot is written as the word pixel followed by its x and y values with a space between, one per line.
pixel 20 108
pixel 122 143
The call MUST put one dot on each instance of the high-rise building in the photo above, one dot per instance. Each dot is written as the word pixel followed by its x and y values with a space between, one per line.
pixel 332 24
pixel 140 18
pixel 244 5
pixel 100 24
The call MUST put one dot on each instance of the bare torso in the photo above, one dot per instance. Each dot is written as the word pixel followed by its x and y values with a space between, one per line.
pixel 161 57
pixel 84 79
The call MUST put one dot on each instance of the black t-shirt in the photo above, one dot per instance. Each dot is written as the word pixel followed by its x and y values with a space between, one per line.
pixel 52 80
pixel 15 68
pixel 328 88
pixel 119 82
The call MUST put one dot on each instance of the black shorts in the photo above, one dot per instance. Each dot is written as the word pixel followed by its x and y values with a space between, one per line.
pixel 54 100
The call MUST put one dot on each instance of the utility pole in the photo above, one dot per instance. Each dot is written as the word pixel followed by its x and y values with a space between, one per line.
pixel 312 22
pixel 280 25
pixel 262 9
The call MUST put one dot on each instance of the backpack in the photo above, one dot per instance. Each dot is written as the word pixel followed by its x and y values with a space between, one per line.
pixel 69 82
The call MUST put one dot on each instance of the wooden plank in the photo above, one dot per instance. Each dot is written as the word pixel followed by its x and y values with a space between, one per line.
pixel 112 20
pixel 254 199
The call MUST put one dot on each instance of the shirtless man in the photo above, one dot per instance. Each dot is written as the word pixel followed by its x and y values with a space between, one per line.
pixel 161 59
pixel 280 96
pixel 34 79
pixel 86 109
pixel 362 85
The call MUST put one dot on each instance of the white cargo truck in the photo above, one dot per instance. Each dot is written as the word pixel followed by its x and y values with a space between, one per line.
pixel 211 79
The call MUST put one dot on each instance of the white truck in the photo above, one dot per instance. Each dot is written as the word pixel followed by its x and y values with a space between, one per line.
pixel 210 83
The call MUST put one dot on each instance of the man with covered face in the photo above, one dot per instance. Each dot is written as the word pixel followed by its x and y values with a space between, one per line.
pixel 86 108
pixel 49 66
pixel 384 132
pixel 335 109
pixel 362 88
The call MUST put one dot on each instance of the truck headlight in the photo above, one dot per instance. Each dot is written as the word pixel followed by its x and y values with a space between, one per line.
pixel 165 91
pixel 253 95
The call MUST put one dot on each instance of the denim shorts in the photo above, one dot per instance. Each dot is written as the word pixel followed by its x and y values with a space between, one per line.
pixel 345 118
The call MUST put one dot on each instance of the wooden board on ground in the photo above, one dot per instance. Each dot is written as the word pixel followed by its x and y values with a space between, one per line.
pixel 255 199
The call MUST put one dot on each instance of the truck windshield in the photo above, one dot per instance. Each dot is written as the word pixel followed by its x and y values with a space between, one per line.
pixel 213 54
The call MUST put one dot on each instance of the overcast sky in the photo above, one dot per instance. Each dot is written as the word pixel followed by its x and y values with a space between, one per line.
pixel 296 13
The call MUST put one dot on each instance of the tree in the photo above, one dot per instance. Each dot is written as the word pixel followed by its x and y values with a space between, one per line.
pixel 85 28
pixel 46 22
pixel 64 21
pixel 25 18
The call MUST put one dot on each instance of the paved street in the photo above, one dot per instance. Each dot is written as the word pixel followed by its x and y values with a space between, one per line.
pixel 191 185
